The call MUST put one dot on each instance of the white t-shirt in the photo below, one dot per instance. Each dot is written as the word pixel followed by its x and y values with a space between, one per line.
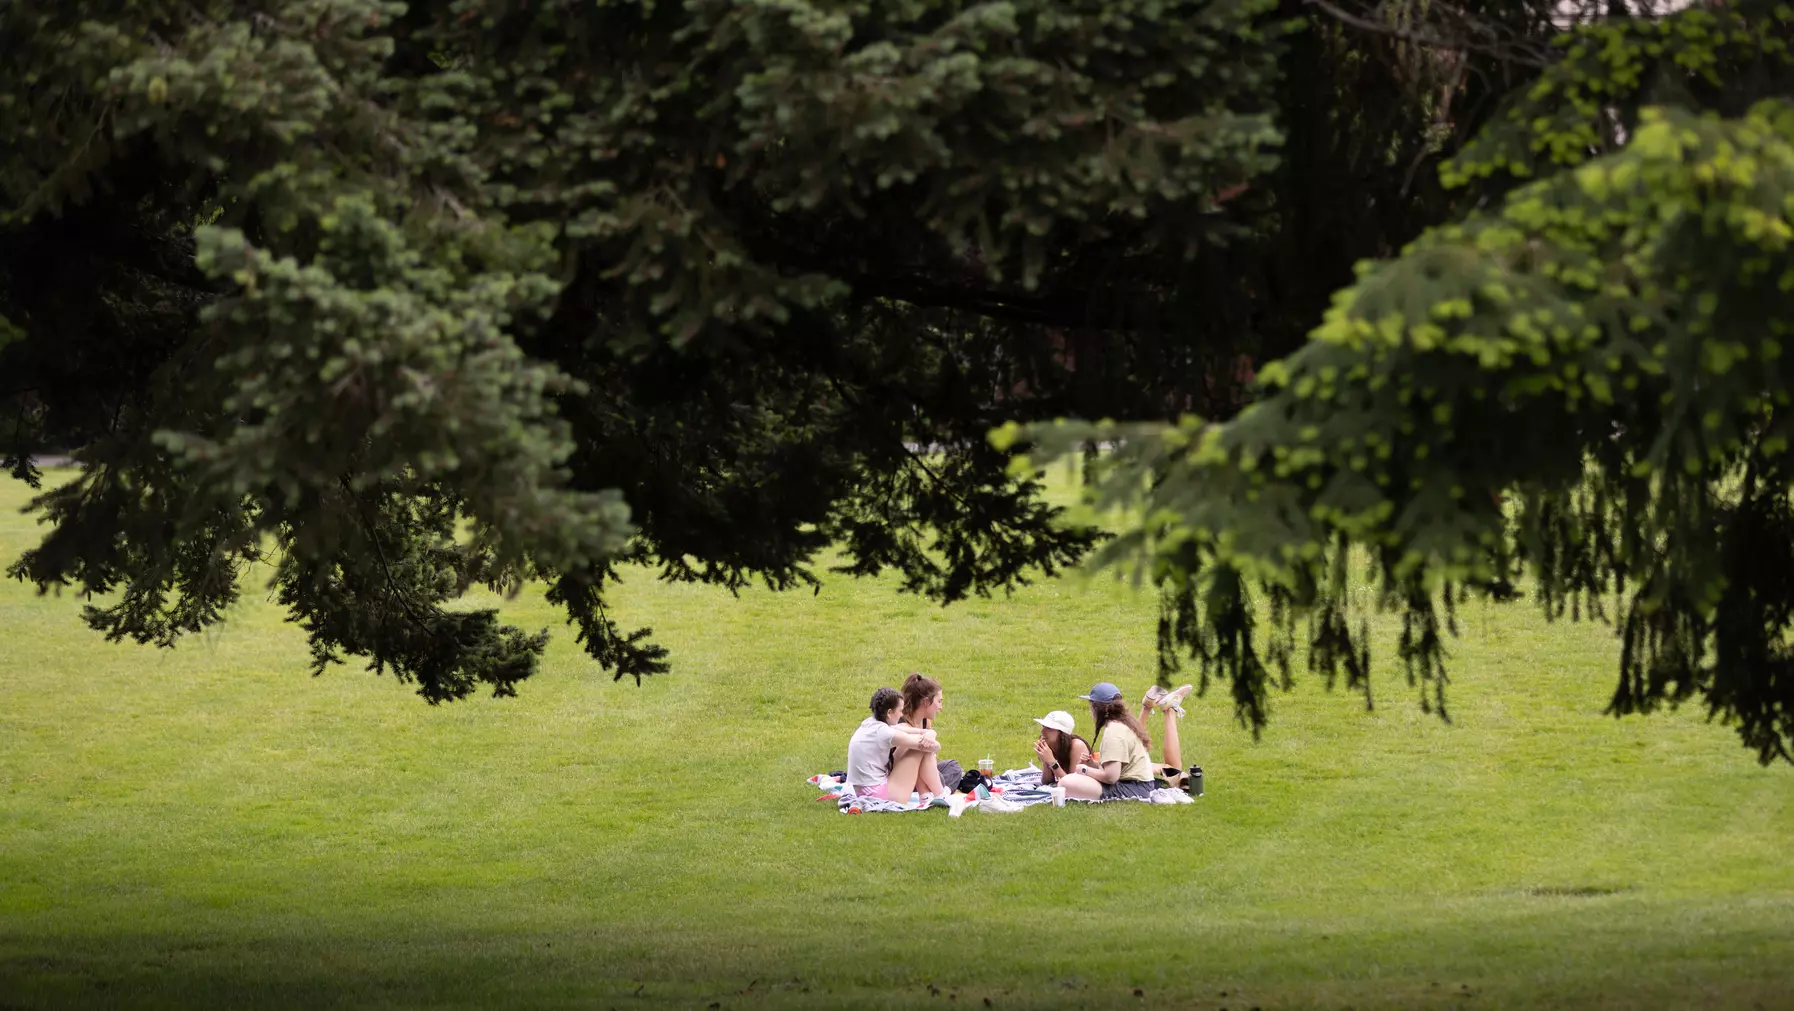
pixel 869 753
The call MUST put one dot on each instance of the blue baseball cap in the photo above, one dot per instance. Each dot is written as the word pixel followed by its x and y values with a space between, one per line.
pixel 1103 692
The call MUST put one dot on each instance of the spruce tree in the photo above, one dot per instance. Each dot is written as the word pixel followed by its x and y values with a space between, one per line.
pixel 413 298
pixel 1576 386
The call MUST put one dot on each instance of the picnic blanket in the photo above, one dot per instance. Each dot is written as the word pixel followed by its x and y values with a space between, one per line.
pixel 1013 789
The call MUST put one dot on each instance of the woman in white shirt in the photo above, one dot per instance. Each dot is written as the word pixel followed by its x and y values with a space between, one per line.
pixel 875 743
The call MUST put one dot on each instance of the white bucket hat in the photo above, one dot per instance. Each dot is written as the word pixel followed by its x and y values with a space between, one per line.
pixel 1058 719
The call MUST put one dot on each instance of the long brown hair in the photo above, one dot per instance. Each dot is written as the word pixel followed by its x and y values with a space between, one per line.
pixel 1116 712
pixel 917 691
pixel 1060 743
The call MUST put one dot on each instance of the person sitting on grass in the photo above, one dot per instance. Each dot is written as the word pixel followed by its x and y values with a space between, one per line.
pixel 1122 767
pixel 1058 747
pixel 870 751
pixel 922 701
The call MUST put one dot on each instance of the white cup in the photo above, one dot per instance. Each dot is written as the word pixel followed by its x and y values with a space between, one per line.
pixel 1058 796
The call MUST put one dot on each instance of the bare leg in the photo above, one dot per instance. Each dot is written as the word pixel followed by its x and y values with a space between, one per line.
pixel 906 774
pixel 928 772
pixel 1170 703
pixel 928 780
pixel 1081 787
pixel 1174 752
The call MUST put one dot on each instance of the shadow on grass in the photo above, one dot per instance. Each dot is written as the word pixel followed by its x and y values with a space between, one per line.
pixel 1575 891
pixel 1518 962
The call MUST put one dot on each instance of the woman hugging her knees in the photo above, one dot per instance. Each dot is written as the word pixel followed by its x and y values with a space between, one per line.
pixel 872 754
pixel 1122 766
pixel 922 701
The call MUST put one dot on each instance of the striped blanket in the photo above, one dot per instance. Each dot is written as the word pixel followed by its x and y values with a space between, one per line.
pixel 1017 786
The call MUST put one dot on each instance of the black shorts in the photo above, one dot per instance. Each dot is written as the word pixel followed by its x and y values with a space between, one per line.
pixel 1127 789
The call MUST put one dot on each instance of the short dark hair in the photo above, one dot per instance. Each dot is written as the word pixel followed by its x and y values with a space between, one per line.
pixel 883 701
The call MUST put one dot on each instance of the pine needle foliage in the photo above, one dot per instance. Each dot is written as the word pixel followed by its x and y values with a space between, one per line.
pixel 416 297
pixel 1580 385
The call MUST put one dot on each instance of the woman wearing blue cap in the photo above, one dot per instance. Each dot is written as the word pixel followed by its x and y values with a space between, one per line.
pixel 1122 767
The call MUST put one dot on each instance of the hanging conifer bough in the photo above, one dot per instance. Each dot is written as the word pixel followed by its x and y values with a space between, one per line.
pixel 403 299
pixel 1586 384
pixel 406 299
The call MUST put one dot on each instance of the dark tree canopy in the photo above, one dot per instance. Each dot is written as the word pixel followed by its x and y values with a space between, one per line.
pixel 417 297
pixel 601 283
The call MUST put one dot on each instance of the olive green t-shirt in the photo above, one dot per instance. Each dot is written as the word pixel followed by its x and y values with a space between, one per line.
pixel 1119 743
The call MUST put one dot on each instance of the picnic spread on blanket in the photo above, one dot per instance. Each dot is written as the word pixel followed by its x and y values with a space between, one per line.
pixel 1003 793
pixel 894 762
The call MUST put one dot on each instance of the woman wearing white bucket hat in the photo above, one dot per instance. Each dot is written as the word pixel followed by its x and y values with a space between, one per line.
pixel 1058 747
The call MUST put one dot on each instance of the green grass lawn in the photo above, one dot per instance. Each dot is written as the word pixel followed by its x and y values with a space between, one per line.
pixel 212 827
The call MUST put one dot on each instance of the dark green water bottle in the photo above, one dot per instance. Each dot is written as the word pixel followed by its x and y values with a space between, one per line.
pixel 1195 784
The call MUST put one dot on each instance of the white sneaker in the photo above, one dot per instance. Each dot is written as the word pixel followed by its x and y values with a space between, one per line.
pixel 1174 699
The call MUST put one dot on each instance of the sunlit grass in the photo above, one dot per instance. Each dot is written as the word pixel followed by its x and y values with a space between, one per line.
pixel 211 827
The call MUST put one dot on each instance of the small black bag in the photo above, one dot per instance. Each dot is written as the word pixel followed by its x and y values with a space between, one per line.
pixel 972 781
